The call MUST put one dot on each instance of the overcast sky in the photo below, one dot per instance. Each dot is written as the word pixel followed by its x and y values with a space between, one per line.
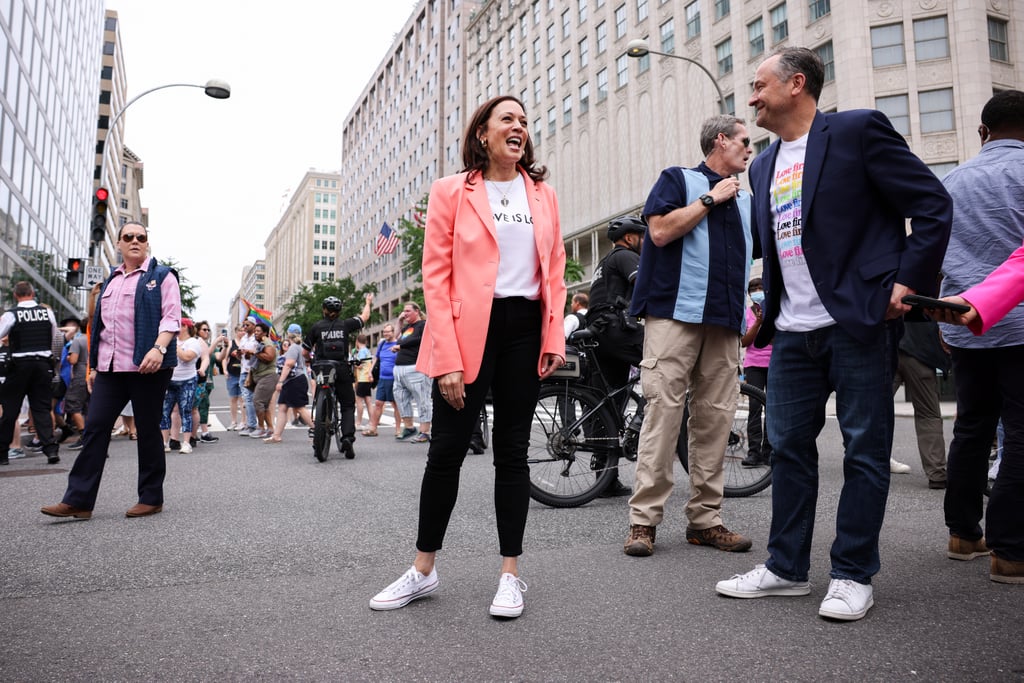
pixel 219 172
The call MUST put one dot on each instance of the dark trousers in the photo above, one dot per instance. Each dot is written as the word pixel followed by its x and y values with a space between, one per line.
pixel 346 396
pixel 32 377
pixel 509 370
pixel 110 392
pixel 757 445
pixel 988 386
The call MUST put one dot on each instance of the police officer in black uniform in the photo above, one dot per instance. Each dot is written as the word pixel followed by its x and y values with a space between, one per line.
pixel 30 329
pixel 620 336
pixel 327 339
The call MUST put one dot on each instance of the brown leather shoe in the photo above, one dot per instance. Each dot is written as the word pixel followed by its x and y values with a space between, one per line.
pixel 640 542
pixel 1006 571
pixel 143 510
pixel 719 537
pixel 65 510
pixel 963 549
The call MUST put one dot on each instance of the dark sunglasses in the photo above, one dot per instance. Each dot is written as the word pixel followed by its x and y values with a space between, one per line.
pixel 141 238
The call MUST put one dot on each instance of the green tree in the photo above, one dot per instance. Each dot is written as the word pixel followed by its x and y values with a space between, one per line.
pixel 411 232
pixel 306 305
pixel 189 290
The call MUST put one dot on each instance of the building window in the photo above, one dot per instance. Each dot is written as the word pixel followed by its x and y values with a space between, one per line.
pixel 536 51
pixel 536 91
pixel 566 24
pixel 621 71
pixel 780 23
pixel 552 121
pixel 584 98
pixel 931 39
pixel 828 60
pixel 941 169
pixel 583 10
pixel 897 108
pixel 721 9
pixel 602 85
pixel 723 53
pixel 761 145
pixel 936 110
pixel 730 104
pixel 641 10
pixel 644 63
pixel 584 53
pixel 887 45
pixel 755 35
pixel 668 36
pixel 620 21
pixel 567 110
pixel 692 20
pixel 551 79
pixel 602 37
pixel 998 45
pixel 551 38
pixel 567 66
pixel 819 8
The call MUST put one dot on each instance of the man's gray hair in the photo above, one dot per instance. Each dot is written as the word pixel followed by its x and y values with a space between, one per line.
pixel 723 123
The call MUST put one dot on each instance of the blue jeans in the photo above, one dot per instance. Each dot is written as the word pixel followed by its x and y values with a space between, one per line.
pixel 182 393
pixel 805 368
pixel 250 407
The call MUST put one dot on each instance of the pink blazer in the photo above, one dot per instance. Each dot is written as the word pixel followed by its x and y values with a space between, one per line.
pixel 997 294
pixel 460 266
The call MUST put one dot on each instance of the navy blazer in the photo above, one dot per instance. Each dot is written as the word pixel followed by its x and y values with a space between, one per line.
pixel 860 183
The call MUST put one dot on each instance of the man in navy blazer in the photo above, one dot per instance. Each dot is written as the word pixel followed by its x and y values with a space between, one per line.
pixel 831 199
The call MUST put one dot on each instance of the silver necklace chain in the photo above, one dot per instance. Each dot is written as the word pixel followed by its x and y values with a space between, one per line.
pixel 504 193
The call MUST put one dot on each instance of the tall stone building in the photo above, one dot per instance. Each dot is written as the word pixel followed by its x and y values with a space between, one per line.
pixel 302 249
pixel 110 142
pixel 50 63
pixel 606 123
pixel 403 132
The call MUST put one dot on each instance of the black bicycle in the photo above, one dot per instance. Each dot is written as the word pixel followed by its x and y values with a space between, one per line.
pixel 326 412
pixel 585 434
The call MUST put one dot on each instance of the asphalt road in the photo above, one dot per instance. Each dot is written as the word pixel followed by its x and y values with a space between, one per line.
pixel 263 561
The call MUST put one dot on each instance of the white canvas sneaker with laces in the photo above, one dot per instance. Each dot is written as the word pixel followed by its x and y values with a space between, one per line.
pixel 508 601
pixel 846 600
pixel 412 585
pixel 760 582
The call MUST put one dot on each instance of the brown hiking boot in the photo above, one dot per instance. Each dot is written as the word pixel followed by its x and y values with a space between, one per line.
pixel 718 537
pixel 1006 571
pixel 640 542
pixel 962 549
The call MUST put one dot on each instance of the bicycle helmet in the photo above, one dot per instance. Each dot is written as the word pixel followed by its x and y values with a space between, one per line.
pixel 332 304
pixel 620 227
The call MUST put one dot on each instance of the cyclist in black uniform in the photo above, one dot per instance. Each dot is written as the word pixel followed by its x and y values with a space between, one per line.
pixel 327 339
pixel 620 336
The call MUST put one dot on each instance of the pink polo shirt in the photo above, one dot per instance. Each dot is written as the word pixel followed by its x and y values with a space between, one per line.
pixel 117 310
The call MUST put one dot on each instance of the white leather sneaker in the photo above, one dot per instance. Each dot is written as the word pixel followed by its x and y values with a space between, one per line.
pixel 897 467
pixel 412 585
pixel 760 582
pixel 508 601
pixel 846 600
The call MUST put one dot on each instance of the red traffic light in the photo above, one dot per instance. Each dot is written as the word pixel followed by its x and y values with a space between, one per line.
pixel 102 194
pixel 76 264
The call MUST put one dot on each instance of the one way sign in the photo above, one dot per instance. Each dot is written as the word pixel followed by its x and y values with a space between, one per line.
pixel 93 274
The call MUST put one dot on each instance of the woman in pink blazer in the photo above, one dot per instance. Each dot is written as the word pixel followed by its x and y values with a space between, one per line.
pixel 493 284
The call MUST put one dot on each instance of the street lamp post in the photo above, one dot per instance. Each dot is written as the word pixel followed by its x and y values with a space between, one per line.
pixel 639 48
pixel 217 89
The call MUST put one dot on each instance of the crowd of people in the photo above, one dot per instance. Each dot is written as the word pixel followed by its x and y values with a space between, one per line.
pixel 827 213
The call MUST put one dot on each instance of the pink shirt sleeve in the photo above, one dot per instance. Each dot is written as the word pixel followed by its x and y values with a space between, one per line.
pixel 998 293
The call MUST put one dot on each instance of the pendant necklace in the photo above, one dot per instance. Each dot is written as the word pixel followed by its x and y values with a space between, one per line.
pixel 504 193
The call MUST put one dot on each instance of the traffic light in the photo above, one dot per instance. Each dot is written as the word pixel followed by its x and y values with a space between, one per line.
pixel 76 272
pixel 99 215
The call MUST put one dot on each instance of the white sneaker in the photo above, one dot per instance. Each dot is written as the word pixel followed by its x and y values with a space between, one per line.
pixel 186 447
pixel 897 467
pixel 508 601
pixel 846 600
pixel 167 447
pixel 410 586
pixel 760 582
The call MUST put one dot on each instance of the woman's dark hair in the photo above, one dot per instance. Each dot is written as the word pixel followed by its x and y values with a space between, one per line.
pixel 474 156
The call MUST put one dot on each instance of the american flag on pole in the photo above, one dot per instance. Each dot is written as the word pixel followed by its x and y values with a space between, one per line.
pixel 387 240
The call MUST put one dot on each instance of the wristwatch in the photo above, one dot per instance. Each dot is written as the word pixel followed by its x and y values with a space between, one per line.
pixel 162 349
pixel 707 200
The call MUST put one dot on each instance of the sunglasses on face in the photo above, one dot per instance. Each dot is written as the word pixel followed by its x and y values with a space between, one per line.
pixel 141 238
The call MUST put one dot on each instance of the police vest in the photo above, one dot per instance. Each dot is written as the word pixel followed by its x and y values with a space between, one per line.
pixel 32 332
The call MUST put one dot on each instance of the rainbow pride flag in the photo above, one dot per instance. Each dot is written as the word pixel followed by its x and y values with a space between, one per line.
pixel 263 317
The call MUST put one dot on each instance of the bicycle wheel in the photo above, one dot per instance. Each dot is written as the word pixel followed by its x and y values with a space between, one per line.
pixel 485 433
pixel 574 446
pixel 740 480
pixel 322 405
